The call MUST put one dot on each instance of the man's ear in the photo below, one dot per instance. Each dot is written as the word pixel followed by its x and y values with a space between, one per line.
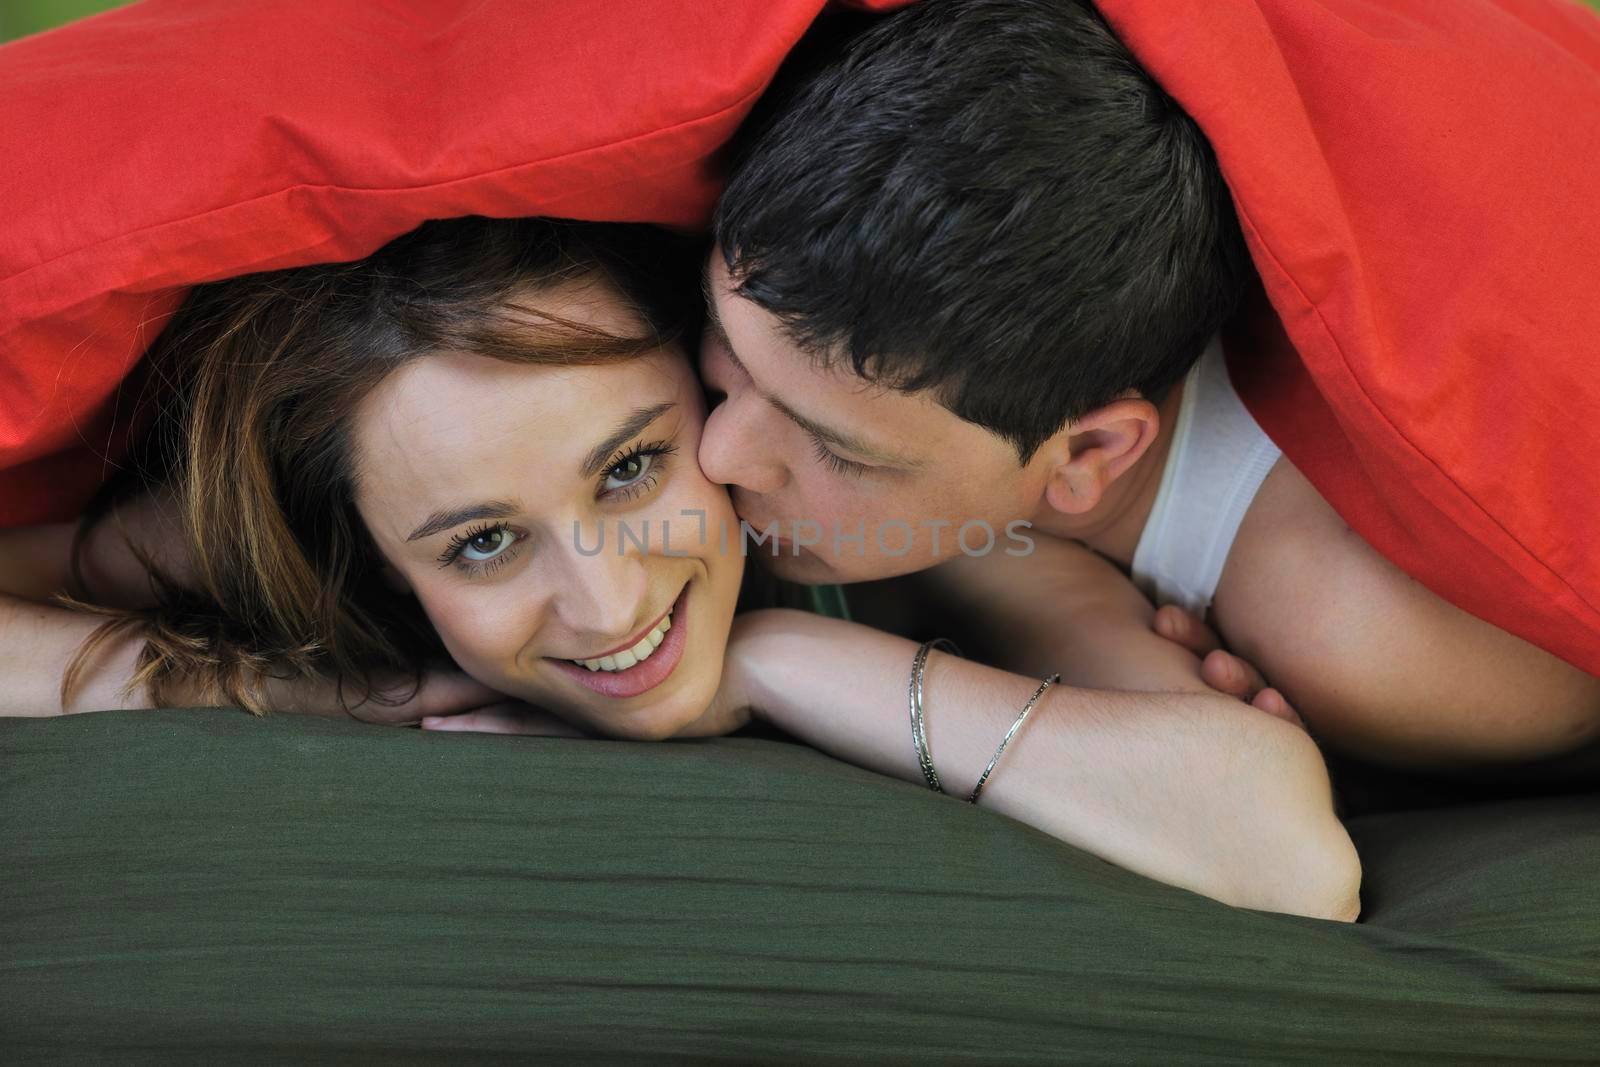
pixel 1092 452
pixel 395 580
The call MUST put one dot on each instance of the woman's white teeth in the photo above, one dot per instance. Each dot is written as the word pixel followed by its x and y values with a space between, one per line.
pixel 621 661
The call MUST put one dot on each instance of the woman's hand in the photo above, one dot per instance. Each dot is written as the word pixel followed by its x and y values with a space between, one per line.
pixel 507 717
pixel 442 692
pixel 1219 668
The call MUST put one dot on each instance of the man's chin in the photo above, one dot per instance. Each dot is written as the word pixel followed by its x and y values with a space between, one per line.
pixel 799 566
pixel 804 567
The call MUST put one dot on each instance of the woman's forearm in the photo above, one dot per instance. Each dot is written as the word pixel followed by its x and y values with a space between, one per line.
pixel 39 641
pixel 37 644
pixel 1193 789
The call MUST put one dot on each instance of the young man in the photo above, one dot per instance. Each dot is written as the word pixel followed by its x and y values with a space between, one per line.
pixel 972 265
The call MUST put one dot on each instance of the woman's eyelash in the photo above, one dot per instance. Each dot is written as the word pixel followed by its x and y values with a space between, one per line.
pixel 659 449
pixel 835 463
pixel 477 568
pixel 458 542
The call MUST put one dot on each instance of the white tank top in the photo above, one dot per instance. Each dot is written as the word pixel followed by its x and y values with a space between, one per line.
pixel 1218 459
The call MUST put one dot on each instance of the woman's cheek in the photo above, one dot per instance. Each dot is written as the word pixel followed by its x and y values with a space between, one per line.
pixel 700 514
pixel 479 632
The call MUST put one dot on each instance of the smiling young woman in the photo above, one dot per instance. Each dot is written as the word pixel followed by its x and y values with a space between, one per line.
pixel 384 464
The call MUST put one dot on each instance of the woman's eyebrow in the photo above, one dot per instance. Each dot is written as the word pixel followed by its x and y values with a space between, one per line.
pixel 449 518
pixel 446 519
pixel 595 461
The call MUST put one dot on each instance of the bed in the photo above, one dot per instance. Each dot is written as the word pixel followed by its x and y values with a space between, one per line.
pixel 200 885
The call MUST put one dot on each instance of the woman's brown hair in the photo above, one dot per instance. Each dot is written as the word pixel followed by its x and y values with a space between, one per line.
pixel 262 376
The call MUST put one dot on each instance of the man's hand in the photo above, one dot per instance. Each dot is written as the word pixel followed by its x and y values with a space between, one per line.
pixel 1219 668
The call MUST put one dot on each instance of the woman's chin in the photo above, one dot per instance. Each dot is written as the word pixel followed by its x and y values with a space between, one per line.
pixel 665 710
pixel 654 717
pixel 669 697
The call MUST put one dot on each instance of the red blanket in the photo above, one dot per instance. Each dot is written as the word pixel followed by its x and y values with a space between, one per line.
pixel 1417 180
pixel 1420 185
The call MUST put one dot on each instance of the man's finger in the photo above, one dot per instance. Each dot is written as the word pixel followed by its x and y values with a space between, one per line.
pixel 1275 704
pixel 1227 673
pixel 1176 624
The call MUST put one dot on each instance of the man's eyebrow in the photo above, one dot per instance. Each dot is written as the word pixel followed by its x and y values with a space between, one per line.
pixel 713 319
pixel 449 518
pixel 595 461
pixel 840 439
pixel 827 435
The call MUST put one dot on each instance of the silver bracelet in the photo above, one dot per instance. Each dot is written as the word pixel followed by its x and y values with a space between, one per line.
pixel 919 730
pixel 1006 740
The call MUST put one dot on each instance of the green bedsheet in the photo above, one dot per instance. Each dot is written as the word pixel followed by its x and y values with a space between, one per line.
pixel 203 886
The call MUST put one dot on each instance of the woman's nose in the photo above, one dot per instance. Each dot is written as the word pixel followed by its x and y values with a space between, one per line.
pixel 733 451
pixel 602 593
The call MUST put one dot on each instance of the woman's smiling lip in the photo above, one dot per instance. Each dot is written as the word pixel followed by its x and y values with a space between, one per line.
pixel 634 640
pixel 643 676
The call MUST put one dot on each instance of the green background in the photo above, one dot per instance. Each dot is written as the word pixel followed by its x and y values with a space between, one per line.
pixel 19 17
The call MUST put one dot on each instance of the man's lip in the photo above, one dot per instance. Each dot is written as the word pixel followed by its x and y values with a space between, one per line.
pixel 637 638
pixel 776 545
pixel 761 527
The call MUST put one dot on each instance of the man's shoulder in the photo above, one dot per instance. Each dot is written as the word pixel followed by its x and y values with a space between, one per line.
pixel 1373 659
pixel 1295 561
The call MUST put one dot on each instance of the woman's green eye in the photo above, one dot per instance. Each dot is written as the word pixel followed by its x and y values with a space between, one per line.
pixel 485 546
pixel 636 471
pixel 629 471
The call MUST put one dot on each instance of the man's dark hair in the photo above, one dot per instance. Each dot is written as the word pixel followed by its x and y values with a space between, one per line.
pixel 990 199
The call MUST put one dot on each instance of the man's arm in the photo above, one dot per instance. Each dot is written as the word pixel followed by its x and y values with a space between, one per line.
pixel 1065 608
pixel 1377 664
pixel 1191 788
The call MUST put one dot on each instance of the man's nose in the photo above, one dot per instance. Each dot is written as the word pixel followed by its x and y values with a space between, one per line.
pixel 734 451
